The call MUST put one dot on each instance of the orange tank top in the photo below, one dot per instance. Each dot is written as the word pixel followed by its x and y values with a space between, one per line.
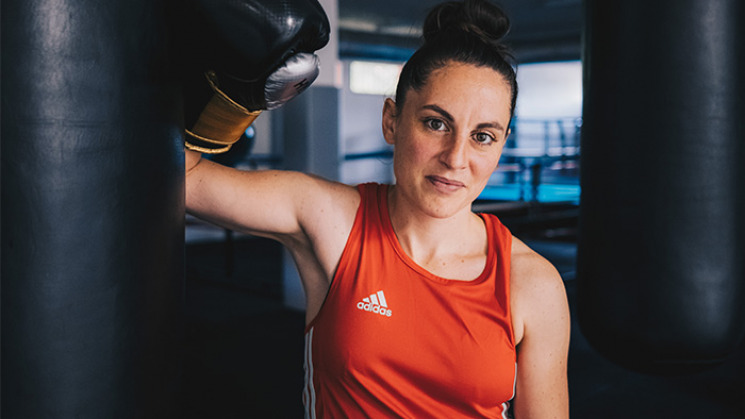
pixel 394 340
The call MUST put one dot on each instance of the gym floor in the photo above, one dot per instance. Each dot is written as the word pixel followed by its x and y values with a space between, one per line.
pixel 243 351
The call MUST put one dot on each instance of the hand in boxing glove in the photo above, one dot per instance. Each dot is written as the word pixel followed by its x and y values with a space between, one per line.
pixel 256 55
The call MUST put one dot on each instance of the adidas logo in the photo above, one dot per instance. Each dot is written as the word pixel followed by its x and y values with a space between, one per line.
pixel 375 303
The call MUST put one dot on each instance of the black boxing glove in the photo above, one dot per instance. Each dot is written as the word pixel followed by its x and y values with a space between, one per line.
pixel 256 55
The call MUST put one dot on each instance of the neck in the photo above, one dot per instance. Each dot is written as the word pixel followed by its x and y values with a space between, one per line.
pixel 424 236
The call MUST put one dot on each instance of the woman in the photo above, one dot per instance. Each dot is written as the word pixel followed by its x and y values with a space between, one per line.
pixel 416 306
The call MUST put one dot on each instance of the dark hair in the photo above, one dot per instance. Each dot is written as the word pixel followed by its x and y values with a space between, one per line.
pixel 468 32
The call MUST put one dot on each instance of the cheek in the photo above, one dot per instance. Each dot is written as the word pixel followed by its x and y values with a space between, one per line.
pixel 420 152
pixel 411 151
pixel 487 164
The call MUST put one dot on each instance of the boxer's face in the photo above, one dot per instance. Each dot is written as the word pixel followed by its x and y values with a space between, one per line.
pixel 448 137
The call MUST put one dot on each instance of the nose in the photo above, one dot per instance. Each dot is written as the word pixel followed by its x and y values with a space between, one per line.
pixel 454 153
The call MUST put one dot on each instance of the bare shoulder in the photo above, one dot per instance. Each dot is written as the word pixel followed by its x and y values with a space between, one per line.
pixel 326 207
pixel 322 192
pixel 324 210
pixel 537 291
pixel 531 269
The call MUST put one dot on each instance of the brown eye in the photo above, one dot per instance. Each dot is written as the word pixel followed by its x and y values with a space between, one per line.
pixel 434 124
pixel 483 138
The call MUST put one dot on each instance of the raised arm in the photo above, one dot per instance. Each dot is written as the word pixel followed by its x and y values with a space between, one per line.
pixel 275 204
pixel 541 318
pixel 247 56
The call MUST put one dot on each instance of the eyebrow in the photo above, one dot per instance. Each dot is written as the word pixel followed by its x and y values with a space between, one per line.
pixel 445 114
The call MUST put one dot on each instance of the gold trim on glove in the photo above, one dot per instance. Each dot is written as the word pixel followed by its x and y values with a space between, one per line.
pixel 222 121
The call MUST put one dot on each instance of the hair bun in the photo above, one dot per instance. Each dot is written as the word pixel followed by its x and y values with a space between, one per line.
pixel 480 18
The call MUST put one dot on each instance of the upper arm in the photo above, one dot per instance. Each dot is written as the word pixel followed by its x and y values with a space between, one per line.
pixel 541 311
pixel 272 203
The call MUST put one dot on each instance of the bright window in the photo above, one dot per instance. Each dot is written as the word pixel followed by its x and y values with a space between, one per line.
pixel 373 78
pixel 549 90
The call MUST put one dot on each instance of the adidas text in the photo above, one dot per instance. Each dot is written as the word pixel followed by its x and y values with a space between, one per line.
pixel 374 308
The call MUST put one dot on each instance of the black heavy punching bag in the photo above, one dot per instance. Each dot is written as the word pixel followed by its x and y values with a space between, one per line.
pixel 661 263
pixel 92 210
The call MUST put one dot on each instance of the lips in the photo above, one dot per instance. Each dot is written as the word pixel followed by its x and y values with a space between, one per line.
pixel 443 182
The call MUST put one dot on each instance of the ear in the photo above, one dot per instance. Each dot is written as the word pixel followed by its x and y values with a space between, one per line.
pixel 390 113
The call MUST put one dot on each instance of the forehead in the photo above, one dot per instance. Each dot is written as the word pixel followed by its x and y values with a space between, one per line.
pixel 459 86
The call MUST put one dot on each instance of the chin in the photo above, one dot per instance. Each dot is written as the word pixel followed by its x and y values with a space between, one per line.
pixel 447 209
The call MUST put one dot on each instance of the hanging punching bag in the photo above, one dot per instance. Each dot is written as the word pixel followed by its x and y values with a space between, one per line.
pixel 661 258
pixel 92 210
